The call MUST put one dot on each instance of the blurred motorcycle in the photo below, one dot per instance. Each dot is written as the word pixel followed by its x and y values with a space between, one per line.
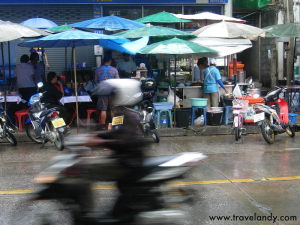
pixel 66 190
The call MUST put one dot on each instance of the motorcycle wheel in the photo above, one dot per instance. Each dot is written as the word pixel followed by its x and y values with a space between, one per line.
pixel 31 134
pixel 41 213
pixel 237 133
pixel 290 130
pixel 155 136
pixel 59 141
pixel 10 138
pixel 267 132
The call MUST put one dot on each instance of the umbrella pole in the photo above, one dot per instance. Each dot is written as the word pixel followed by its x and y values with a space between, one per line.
pixel 76 93
pixel 3 71
pixel 66 60
pixel 175 95
pixel 9 64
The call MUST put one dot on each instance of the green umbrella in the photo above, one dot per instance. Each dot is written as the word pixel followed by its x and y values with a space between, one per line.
pixel 291 30
pixel 61 28
pixel 155 32
pixel 176 46
pixel 162 17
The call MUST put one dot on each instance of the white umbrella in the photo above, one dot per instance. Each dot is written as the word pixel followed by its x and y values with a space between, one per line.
pixel 229 30
pixel 224 46
pixel 209 16
pixel 11 31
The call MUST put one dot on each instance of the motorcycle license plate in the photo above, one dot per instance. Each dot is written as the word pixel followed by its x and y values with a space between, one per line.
pixel 119 120
pixel 259 117
pixel 236 111
pixel 57 123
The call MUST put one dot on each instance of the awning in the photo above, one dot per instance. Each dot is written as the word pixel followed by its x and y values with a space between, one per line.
pixel 250 4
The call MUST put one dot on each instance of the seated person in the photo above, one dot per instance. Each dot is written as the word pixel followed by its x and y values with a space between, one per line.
pixel 53 93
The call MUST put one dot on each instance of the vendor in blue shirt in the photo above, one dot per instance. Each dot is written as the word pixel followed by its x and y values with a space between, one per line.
pixel 212 79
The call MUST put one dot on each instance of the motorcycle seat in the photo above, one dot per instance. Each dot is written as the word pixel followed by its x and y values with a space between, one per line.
pixel 156 161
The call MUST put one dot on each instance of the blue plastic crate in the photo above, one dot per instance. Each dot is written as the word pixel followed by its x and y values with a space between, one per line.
pixel 163 105
pixel 293 118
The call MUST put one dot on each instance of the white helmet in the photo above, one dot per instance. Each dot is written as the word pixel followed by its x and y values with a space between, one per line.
pixel 126 92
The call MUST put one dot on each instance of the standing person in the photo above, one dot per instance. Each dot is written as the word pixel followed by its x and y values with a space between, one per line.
pixel 105 72
pixel 212 79
pixel 126 67
pixel 42 53
pixel 25 78
pixel 197 72
pixel 39 67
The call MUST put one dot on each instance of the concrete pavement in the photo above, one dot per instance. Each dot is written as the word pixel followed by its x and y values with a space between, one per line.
pixel 249 178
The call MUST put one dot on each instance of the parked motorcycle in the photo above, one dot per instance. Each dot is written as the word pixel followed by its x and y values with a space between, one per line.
pixel 276 112
pixel 44 124
pixel 66 189
pixel 147 122
pixel 6 131
pixel 240 108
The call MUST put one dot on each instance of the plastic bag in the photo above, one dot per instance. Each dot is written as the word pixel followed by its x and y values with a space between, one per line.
pixel 199 121
pixel 237 91
pixel 171 97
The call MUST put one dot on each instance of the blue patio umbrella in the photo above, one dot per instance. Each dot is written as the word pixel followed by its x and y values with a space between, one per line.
pixel 39 23
pixel 131 47
pixel 109 23
pixel 73 39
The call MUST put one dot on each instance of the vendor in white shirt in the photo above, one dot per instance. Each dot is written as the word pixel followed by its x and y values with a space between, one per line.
pixel 126 67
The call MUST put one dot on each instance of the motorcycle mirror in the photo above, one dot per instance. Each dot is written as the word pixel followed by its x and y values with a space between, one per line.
pixel 149 109
pixel 249 80
pixel 40 84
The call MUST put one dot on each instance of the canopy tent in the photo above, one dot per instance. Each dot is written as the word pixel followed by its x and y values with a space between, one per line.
pixel 225 46
pixel 39 23
pixel 176 46
pixel 229 30
pixel 209 16
pixel 109 23
pixel 162 17
pixel 155 32
pixel 73 39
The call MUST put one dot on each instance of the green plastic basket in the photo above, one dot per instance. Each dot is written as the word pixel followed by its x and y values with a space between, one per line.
pixel 199 101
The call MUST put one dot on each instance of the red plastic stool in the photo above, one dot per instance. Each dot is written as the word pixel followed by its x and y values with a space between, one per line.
pixel 89 112
pixel 21 115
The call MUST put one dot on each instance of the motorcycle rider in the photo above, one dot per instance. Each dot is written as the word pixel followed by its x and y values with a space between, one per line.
pixel 126 141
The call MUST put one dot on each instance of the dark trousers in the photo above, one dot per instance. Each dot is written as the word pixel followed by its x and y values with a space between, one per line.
pixel 26 93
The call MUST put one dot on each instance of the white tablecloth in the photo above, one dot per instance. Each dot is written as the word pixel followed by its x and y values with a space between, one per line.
pixel 71 99
pixel 11 98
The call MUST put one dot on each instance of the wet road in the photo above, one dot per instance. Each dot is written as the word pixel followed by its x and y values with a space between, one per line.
pixel 240 180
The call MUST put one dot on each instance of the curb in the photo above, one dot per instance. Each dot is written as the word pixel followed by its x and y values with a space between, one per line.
pixel 179 132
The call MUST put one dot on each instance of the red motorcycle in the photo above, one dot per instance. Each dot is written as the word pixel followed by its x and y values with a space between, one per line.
pixel 276 120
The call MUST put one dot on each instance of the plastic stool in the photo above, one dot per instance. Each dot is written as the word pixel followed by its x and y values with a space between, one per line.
pixel 158 113
pixel 89 112
pixel 194 108
pixel 226 113
pixel 21 114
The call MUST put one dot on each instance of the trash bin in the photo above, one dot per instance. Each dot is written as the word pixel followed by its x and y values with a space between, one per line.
pixel 214 117
pixel 183 117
